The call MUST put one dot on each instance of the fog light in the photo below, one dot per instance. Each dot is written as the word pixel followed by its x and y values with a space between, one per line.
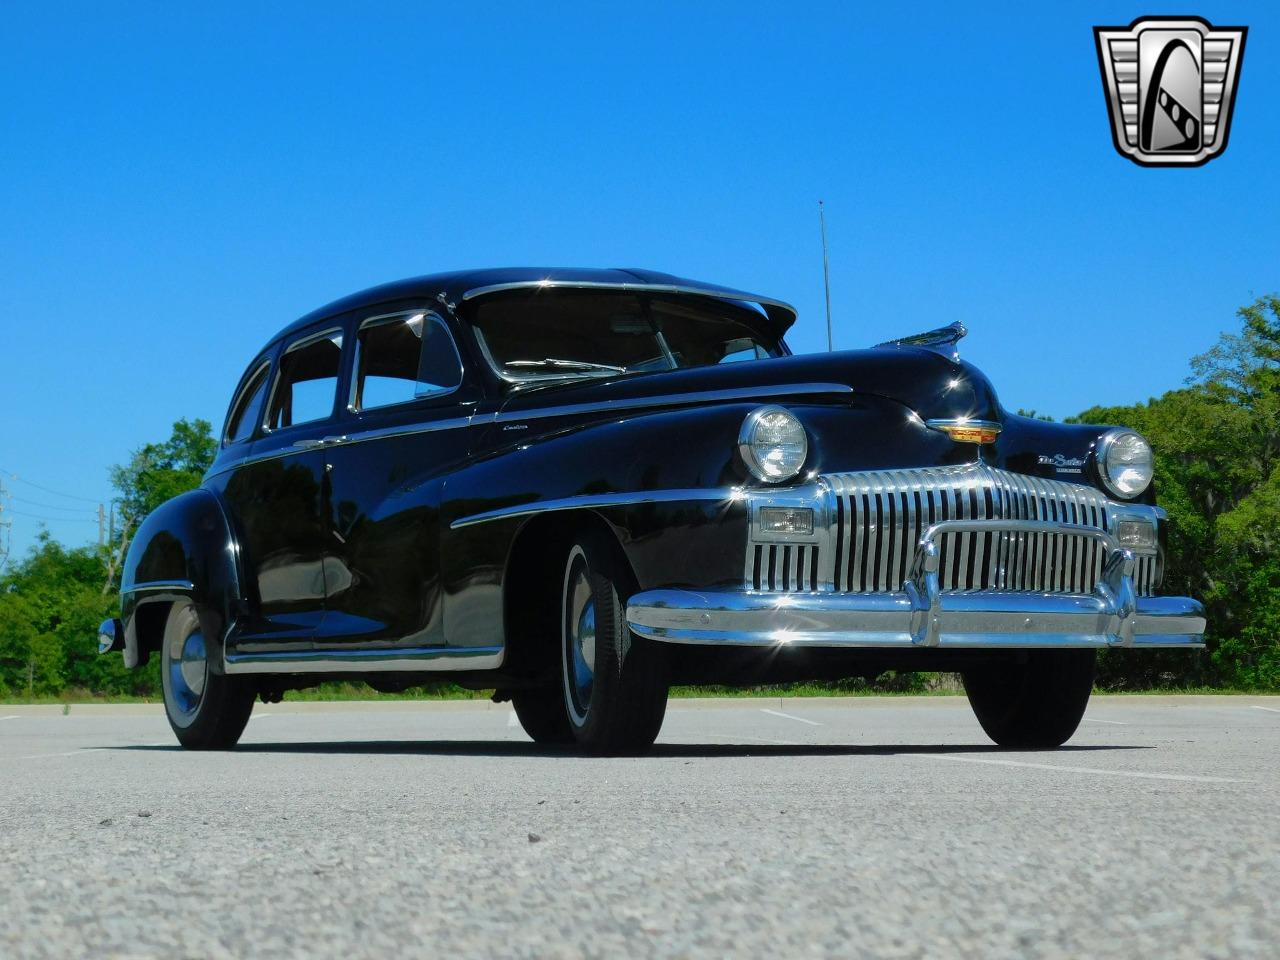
pixel 797 520
pixel 1136 533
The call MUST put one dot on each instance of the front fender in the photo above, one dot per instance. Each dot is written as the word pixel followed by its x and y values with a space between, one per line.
pixel 184 550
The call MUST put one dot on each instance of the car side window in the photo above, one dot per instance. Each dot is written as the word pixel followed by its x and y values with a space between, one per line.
pixel 247 407
pixel 307 381
pixel 403 357
pixel 735 351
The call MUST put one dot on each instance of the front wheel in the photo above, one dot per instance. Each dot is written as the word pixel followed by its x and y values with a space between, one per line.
pixel 1033 700
pixel 542 714
pixel 614 683
pixel 207 710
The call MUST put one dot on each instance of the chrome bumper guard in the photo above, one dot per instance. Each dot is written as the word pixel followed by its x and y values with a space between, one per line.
pixel 922 615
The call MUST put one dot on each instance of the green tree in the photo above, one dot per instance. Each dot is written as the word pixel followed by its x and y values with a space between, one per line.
pixel 52 600
pixel 158 472
pixel 1217 446
pixel 51 603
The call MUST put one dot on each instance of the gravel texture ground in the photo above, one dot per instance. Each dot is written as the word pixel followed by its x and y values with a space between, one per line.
pixel 797 828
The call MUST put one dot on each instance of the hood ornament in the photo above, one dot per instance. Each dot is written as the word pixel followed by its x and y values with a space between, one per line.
pixel 943 340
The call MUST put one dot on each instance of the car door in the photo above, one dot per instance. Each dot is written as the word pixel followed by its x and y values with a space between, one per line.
pixel 277 495
pixel 404 430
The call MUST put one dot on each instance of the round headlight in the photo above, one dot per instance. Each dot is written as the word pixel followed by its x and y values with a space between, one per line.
pixel 773 444
pixel 1125 462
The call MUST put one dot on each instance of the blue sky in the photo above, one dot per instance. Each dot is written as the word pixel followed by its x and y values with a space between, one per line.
pixel 179 181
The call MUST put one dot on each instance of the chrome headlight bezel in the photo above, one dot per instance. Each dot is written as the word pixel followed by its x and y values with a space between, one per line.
pixel 756 453
pixel 1113 474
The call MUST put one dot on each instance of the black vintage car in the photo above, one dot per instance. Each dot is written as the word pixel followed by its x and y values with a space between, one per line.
pixel 577 487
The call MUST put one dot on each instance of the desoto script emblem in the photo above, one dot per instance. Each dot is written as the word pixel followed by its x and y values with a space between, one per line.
pixel 1170 84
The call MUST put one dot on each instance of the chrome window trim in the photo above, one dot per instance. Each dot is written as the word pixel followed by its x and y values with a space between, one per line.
pixel 380 433
pixel 179 586
pixel 595 500
pixel 577 409
pixel 299 344
pixel 676 399
pixel 240 396
pixel 452 423
pixel 636 287
pixel 429 314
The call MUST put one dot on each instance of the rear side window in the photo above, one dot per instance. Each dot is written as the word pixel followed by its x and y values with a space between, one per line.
pixel 307 381
pixel 403 357
pixel 247 407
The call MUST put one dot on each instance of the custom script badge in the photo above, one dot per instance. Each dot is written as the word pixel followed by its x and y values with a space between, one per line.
pixel 1170 84
pixel 1061 463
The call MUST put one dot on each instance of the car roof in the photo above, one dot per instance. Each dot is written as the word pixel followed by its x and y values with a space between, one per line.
pixel 461 285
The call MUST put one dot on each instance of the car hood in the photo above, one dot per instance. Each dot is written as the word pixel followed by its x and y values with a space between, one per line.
pixel 925 382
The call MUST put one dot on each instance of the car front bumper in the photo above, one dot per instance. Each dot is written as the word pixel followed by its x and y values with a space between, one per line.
pixel 923 615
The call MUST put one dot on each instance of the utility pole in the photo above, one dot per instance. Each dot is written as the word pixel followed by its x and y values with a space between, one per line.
pixel 102 526
pixel 826 273
pixel 6 530
pixel 114 565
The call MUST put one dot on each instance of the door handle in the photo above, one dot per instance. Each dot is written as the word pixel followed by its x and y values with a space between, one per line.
pixel 312 444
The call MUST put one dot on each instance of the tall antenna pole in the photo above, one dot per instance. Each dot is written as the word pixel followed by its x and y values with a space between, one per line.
pixel 6 531
pixel 826 273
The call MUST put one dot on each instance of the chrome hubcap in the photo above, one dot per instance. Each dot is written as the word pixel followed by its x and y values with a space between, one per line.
pixel 579 635
pixel 188 672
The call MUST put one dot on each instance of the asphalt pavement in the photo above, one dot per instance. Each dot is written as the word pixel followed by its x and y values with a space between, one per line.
pixel 857 827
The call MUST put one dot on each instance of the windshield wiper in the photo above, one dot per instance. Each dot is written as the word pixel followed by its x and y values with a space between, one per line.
pixel 566 365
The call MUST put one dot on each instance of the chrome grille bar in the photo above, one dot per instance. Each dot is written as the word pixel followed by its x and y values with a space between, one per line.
pixel 879 516
pixel 868 525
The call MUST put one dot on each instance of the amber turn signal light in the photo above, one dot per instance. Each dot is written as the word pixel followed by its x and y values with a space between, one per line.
pixel 968 431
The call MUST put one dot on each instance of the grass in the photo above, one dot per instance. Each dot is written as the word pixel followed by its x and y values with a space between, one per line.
pixel 939 684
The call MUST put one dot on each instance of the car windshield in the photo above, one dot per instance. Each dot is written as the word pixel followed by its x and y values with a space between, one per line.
pixel 550 335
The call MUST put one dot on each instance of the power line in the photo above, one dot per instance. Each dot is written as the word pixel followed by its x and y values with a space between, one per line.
pixel 57 493
pixel 49 506
pixel 36 516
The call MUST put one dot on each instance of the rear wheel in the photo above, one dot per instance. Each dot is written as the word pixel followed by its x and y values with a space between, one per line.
pixel 207 710
pixel 1034 700
pixel 614 683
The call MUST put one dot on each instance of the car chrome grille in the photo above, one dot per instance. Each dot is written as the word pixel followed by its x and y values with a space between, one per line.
pixel 784 567
pixel 875 520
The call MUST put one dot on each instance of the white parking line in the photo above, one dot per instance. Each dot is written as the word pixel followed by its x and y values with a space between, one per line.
pixel 66 753
pixel 1254 705
pixel 787 716
pixel 76 753
pixel 741 736
pixel 14 717
pixel 261 716
pixel 1118 723
pixel 1094 770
